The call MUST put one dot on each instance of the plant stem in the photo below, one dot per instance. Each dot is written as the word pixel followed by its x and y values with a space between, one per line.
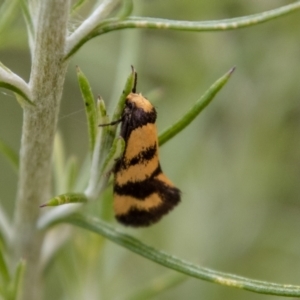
pixel 39 124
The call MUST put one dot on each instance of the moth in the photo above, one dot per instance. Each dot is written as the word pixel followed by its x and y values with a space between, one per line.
pixel 142 192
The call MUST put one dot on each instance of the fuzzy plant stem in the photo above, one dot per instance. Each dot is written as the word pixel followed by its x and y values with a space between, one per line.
pixel 39 125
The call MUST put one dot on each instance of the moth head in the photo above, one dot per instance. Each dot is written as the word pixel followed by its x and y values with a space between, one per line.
pixel 139 109
pixel 137 101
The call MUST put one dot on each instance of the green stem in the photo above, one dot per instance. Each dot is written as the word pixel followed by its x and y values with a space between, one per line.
pixel 156 23
pixel 39 125
pixel 172 262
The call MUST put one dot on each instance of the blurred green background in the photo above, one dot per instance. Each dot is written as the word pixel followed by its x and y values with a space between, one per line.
pixel 238 164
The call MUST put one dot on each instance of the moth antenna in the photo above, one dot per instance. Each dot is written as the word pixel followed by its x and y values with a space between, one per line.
pixel 112 123
pixel 135 80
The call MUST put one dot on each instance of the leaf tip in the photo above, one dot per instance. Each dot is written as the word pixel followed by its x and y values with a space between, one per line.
pixel 232 70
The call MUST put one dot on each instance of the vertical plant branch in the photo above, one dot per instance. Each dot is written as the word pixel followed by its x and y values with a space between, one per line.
pixel 39 124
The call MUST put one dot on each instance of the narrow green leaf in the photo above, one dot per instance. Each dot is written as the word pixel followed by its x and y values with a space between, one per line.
pixel 102 166
pixel 65 199
pixel 10 154
pixel 6 229
pixel 71 173
pixel 83 174
pixel 99 155
pixel 7 13
pixel 16 287
pixel 27 16
pixel 158 286
pixel 126 10
pixel 59 163
pixel 107 133
pixel 189 116
pixel 90 107
pixel 127 89
pixel 113 24
pixel 103 118
pixel 77 5
pixel 101 110
pixel 116 151
pixel 17 91
pixel 172 262
pixel 5 277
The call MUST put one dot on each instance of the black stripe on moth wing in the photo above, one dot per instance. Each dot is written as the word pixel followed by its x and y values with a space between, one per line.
pixel 121 164
pixel 139 189
pixel 143 156
pixel 137 218
pixel 135 117
pixel 143 189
